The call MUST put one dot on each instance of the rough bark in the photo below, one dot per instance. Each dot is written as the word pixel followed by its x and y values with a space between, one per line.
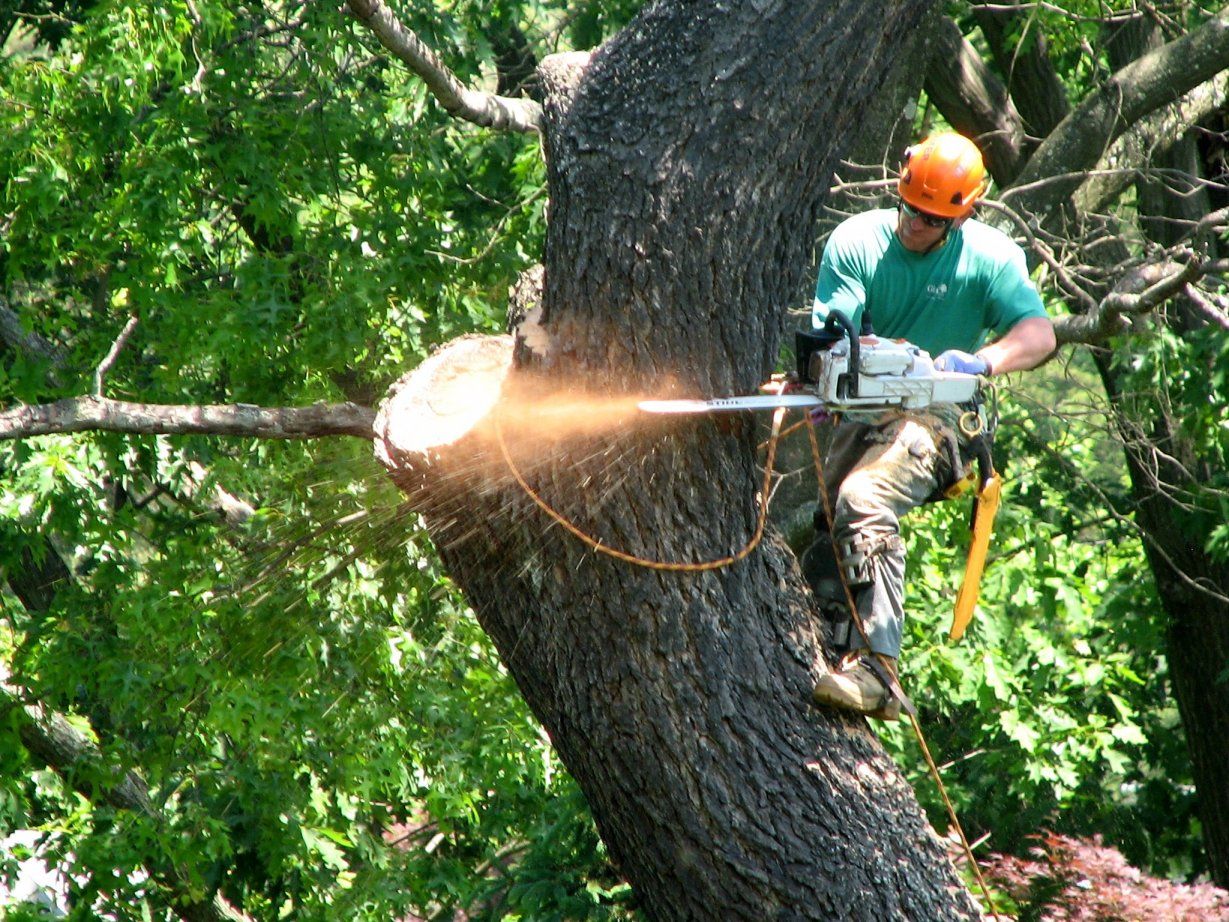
pixel 16 338
pixel 886 127
pixel 686 168
pixel 37 577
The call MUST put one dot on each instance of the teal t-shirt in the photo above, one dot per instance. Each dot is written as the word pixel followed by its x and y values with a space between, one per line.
pixel 950 298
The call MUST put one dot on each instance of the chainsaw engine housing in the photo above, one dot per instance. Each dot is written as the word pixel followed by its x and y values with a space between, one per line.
pixel 885 373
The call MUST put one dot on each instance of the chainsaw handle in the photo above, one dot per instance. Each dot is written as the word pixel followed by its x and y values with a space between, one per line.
pixel 836 327
pixel 837 319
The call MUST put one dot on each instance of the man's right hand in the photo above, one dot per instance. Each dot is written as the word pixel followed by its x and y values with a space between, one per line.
pixel 964 362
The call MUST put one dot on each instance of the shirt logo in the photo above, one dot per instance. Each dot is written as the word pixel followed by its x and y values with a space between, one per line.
pixel 937 292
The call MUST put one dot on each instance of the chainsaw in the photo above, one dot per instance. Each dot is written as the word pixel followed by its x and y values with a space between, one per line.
pixel 842 372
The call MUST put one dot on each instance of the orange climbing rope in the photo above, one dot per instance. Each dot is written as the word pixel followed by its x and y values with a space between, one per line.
pixel 917 727
pixel 671 566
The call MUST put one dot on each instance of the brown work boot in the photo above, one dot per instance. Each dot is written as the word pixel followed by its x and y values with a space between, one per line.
pixel 854 686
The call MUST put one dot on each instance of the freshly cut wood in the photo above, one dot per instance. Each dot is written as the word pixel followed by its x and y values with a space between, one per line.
pixel 442 400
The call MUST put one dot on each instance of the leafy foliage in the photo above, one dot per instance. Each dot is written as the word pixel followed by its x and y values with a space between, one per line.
pixel 1054 710
pixel 291 220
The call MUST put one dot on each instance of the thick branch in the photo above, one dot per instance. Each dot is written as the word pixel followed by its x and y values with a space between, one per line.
pixel 1158 281
pixel 1145 85
pixel 1156 132
pixel 1018 46
pixel 484 109
pixel 82 414
pixel 975 101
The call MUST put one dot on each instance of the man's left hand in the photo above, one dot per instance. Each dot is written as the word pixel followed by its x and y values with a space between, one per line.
pixel 963 362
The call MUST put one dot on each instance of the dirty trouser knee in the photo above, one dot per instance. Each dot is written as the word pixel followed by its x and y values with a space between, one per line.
pixel 898 470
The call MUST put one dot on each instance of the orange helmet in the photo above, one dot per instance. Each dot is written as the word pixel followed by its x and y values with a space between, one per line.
pixel 944 175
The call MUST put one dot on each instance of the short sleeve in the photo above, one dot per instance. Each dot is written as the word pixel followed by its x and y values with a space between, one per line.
pixel 841 285
pixel 1011 295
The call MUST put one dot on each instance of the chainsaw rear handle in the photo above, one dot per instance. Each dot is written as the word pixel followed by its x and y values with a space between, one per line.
pixel 836 327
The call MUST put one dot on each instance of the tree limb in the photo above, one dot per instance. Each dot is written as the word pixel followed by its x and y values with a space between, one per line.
pixel 1156 131
pixel 105 366
pixel 975 101
pixel 1207 307
pixel 1159 281
pixel 82 414
pixel 1019 46
pixel 486 109
pixel 1141 87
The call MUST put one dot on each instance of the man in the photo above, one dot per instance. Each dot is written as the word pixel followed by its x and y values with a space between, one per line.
pixel 929 273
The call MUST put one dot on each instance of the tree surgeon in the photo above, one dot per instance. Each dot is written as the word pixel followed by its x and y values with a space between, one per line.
pixel 929 273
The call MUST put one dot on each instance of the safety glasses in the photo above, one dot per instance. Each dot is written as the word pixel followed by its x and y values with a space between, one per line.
pixel 930 220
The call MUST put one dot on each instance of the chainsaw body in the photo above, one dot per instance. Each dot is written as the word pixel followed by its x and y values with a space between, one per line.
pixel 881 374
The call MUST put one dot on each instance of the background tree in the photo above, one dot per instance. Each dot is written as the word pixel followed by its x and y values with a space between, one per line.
pixel 238 165
pixel 1164 385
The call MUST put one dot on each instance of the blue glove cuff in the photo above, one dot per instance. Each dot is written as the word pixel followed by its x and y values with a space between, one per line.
pixel 962 362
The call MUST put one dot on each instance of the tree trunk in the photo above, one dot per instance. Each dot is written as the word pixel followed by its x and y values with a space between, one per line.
pixel 687 163
pixel 1166 473
pixel 975 102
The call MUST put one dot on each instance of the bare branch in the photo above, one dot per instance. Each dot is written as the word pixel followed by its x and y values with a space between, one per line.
pixel 1206 307
pixel 82 414
pixel 1141 291
pixel 1066 282
pixel 1109 16
pixel 116 347
pixel 486 109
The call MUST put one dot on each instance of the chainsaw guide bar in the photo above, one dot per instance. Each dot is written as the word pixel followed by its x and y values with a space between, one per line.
pixel 719 404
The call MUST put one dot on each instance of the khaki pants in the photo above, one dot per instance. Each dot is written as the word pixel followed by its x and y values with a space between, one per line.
pixel 875 473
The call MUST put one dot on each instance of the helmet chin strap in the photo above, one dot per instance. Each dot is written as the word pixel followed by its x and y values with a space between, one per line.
pixel 941 241
pixel 947 231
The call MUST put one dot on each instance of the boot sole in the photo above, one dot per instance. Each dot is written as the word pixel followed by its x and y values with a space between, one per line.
pixel 880 710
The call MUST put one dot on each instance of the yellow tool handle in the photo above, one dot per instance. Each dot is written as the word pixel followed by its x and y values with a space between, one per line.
pixel 983 524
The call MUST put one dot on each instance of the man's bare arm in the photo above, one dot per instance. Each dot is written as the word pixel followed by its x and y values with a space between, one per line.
pixel 1026 345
